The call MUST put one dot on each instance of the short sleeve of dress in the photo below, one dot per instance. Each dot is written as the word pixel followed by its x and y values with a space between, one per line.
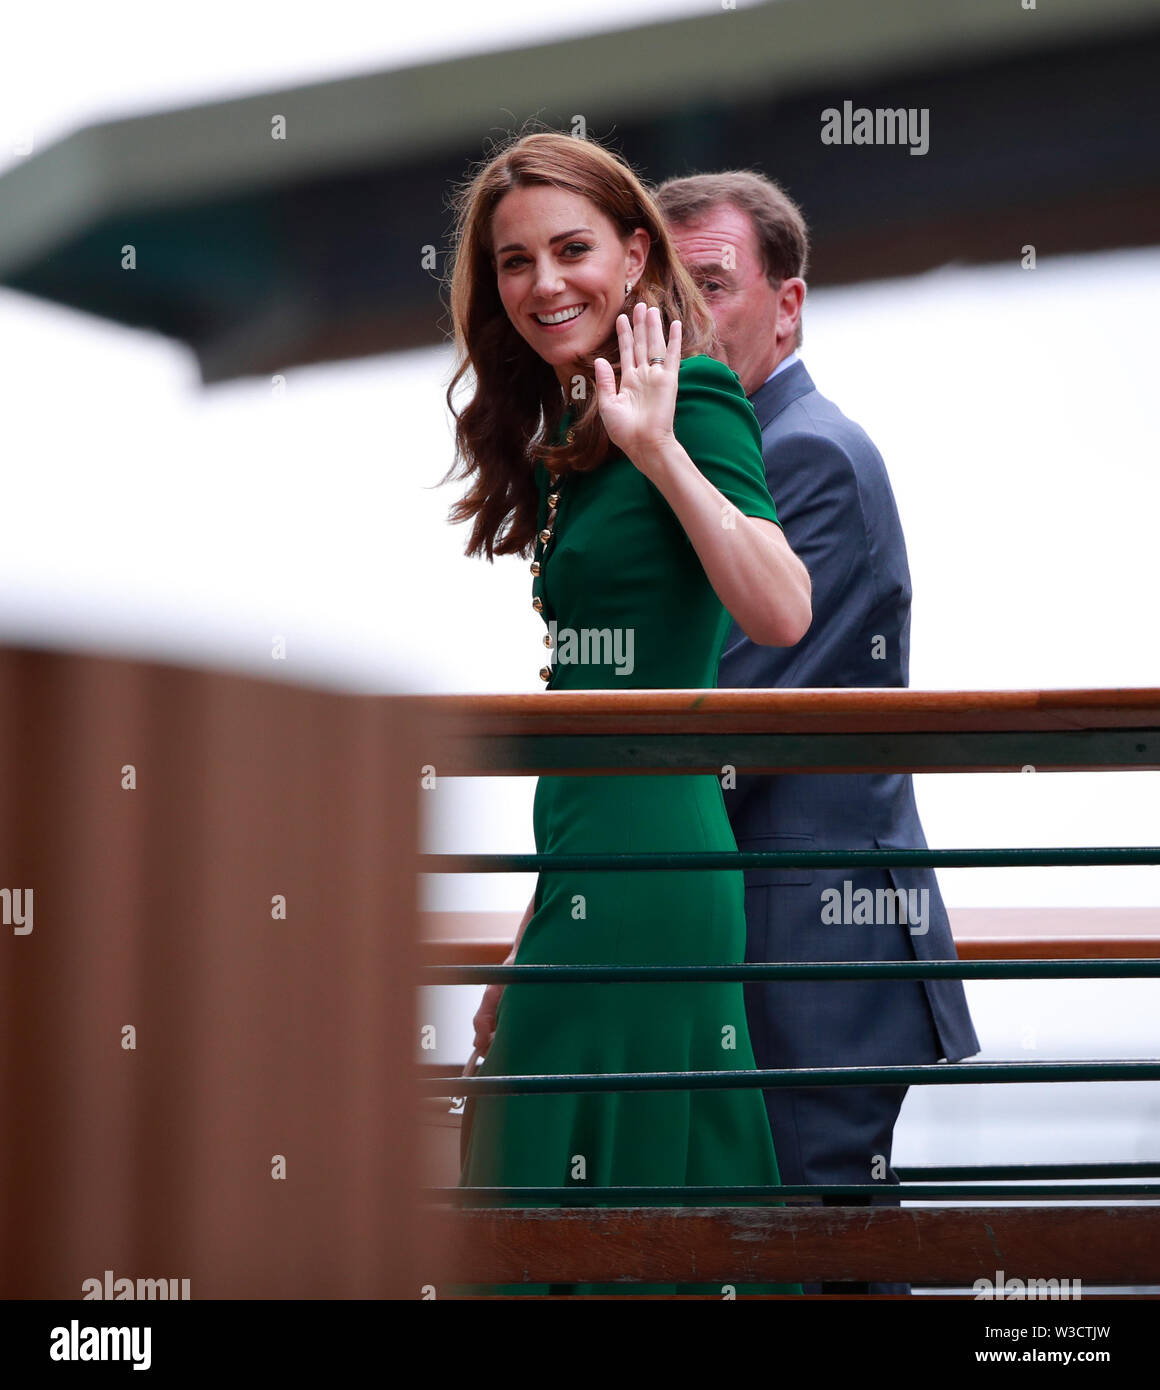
pixel 715 424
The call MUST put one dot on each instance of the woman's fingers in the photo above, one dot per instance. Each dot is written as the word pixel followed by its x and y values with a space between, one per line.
pixel 640 329
pixel 626 339
pixel 655 332
pixel 627 407
pixel 605 379
pixel 484 1032
pixel 643 338
pixel 485 1016
pixel 673 352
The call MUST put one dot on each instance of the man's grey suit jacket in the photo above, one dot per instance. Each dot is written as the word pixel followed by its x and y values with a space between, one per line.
pixel 836 506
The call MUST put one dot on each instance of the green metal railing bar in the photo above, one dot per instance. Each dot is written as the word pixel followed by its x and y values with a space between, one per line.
pixel 1033 1171
pixel 1116 856
pixel 793 970
pixel 896 750
pixel 696 1196
pixel 926 1074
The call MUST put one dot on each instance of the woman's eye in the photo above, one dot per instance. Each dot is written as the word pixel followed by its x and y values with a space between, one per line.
pixel 573 246
pixel 513 262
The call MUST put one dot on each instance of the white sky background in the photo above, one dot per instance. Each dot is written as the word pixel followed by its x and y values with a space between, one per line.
pixel 149 516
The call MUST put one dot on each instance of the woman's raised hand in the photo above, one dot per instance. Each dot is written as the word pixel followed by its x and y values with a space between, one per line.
pixel 639 416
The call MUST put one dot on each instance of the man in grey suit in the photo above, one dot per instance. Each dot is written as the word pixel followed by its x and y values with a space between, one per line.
pixel 745 241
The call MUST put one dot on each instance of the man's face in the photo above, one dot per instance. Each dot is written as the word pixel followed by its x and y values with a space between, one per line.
pixel 756 322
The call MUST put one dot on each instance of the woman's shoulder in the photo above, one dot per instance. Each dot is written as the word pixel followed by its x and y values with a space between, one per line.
pixel 716 424
pixel 710 397
pixel 699 366
pixel 699 369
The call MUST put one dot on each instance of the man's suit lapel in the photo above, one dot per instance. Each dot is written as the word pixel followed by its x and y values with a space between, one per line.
pixel 771 399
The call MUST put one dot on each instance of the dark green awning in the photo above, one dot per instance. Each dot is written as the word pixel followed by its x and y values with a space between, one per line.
pixel 262 253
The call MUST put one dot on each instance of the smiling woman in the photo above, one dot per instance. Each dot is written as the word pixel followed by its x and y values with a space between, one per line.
pixel 631 460
pixel 551 226
pixel 539 319
pixel 563 292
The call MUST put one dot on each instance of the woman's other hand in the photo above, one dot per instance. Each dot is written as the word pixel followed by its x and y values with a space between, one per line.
pixel 484 1020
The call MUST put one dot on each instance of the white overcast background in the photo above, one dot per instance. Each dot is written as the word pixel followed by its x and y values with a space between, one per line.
pixel 147 516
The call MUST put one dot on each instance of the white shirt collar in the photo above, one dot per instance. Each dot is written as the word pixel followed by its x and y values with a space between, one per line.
pixel 781 366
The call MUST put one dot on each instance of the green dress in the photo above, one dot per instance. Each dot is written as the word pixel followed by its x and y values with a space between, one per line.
pixel 619 560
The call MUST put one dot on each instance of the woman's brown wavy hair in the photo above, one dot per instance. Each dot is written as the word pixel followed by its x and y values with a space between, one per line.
pixel 517 403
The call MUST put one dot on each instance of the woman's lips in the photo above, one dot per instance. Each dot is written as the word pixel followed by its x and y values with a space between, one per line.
pixel 567 323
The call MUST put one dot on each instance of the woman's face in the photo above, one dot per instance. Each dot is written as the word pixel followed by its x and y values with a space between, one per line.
pixel 561 267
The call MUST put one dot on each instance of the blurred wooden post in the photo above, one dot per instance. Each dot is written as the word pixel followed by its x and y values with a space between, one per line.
pixel 259 1039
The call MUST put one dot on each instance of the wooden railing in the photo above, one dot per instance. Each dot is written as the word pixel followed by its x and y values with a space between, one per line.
pixel 208 1072
pixel 208 1014
pixel 1114 1237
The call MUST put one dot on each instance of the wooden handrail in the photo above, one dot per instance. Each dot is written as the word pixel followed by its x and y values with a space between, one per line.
pixel 621 732
pixel 921 1245
pixel 851 710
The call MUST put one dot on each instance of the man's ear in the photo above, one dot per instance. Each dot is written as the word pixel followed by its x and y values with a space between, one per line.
pixel 791 296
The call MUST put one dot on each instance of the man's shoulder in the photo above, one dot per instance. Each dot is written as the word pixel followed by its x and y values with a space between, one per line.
pixel 813 417
pixel 819 462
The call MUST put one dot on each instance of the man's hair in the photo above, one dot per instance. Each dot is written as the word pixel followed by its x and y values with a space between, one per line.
pixel 782 235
